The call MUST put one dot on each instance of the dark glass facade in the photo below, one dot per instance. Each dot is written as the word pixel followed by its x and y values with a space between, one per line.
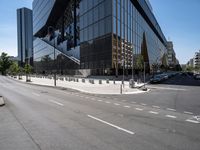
pixel 96 35
pixel 100 35
pixel 56 36
pixel 24 36
pixel 136 32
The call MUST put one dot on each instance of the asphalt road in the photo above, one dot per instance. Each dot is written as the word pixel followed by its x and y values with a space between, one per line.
pixel 44 118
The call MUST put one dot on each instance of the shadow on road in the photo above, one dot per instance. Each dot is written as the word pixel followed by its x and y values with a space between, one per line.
pixel 183 79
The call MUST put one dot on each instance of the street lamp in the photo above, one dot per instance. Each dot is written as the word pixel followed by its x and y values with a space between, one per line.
pixel 145 73
pixel 123 72
pixel 54 63
pixel 132 65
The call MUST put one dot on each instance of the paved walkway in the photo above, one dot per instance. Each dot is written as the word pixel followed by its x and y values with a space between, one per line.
pixel 87 87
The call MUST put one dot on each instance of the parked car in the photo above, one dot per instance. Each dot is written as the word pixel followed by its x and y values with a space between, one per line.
pixel 164 76
pixel 156 79
pixel 197 76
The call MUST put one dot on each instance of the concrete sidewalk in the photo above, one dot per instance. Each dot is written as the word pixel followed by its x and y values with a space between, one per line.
pixel 87 86
pixel 13 134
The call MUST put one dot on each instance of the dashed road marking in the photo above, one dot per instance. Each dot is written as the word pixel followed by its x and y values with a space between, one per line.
pixel 55 102
pixel 112 125
pixel 127 106
pixel 99 100
pixel 116 104
pixel 156 107
pixel 107 102
pixel 192 121
pixel 140 109
pixel 170 116
pixel 187 112
pixel 153 112
pixel 143 104
pixel 36 94
pixel 170 109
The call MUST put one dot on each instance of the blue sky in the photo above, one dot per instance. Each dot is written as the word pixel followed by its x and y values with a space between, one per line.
pixel 8 24
pixel 179 20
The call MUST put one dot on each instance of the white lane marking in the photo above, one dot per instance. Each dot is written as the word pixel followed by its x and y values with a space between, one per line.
pixel 143 104
pixel 168 88
pixel 156 106
pixel 140 109
pixel 153 112
pixel 112 125
pixel 36 94
pixel 170 109
pixel 187 112
pixel 116 104
pixel 133 102
pixel 55 102
pixel 99 100
pixel 170 116
pixel 127 106
pixel 86 97
pixel 192 121
pixel 93 99
pixel 107 102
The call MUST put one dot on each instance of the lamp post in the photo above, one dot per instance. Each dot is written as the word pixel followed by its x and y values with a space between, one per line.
pixel 132 66
pixel 123 73
pixel 144 73
pixel 54 63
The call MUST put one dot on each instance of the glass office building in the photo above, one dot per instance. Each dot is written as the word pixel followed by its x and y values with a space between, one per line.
pixel 24 36
pixel 56 36
pixel 103 36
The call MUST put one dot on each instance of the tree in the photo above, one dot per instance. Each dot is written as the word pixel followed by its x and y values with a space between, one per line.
pixel 14 69
pixel 140 63
pixel 5 63
pixel 27 70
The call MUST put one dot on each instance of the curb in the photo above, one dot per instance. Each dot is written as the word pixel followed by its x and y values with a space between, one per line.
pixel 2 103
pixel 77 90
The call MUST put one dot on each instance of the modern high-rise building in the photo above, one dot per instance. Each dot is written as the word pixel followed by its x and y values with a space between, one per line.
pixel 96 36
pixel 197 59
pixel 171 54
pixel 25 36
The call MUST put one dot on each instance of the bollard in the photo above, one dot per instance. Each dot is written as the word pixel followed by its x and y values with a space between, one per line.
pixel 2 101
pixel 107 81
pixel 120 88
pixel 100 81
pixel 113 81
pixel 91 81
pixel 83 80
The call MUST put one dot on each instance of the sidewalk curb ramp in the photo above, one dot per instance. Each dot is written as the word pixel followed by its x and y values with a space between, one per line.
pixel 1 101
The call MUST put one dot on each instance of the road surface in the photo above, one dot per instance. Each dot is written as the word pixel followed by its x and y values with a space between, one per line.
pixel 44 118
